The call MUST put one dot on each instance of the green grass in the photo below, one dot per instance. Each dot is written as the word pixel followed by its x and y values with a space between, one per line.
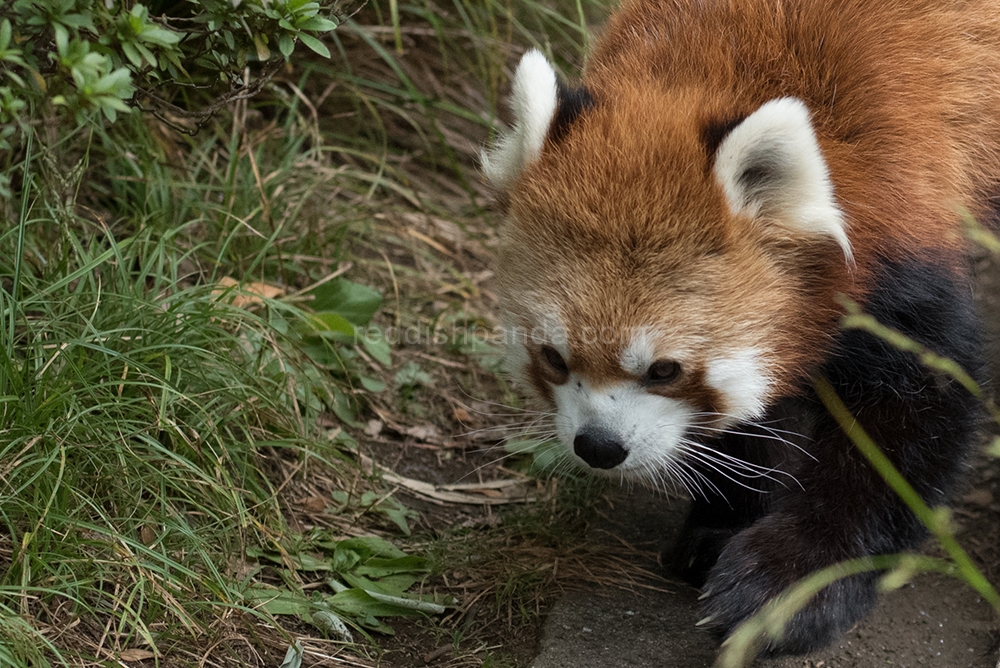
pixel 137 402
pixel 149 423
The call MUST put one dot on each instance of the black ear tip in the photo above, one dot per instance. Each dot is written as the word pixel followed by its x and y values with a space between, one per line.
pixel 572 101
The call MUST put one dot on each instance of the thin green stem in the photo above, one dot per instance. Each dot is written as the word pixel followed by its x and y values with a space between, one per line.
pixel 936 520
pixel 769 624
pixel 22 224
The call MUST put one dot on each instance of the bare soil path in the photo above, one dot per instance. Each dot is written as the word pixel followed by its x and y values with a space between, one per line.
pixel 932 621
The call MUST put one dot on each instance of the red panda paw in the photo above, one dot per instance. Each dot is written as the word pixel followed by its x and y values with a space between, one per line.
pixel 759 563
pixel 697 551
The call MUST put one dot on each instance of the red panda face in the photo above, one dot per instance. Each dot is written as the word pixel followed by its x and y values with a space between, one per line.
pixel 650 275
pixel 634 355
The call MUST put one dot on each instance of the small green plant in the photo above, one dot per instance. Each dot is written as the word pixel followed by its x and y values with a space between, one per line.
pixel 146 395
pixel 107 56
pixel 368 577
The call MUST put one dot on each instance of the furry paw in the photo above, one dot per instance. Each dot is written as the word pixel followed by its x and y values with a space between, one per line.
pixel 759 563
pixel 697 551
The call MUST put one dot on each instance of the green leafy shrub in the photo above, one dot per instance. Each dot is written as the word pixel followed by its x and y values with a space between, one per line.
pixel 108 56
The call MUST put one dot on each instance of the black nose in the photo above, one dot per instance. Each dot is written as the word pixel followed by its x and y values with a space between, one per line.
pixel 599 449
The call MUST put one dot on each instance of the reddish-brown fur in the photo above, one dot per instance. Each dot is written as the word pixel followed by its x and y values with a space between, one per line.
pixel 622 223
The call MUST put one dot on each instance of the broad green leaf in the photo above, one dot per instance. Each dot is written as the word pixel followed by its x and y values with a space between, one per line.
pixel 360 604
pixel 160 36
pixel 399 516
pixel 356 302
pixel 322 352
pixel 318 24
pixel 396 585
pixel 263 53
pixel 548 456
pixel 302 561
pixel 378 348
pixel 343 408
pixel 519 446
pixel 382 594
pixel 276 601
pixel 380 567
pixel 293 657
pixel 345 560
pixel 328 321
pixel 371 546
pixel 314 44
pixel 331 625
pixel 62 40
pixel 132 54
pixel 5 34
pixel 307 562
pixel 372 384
pixel 286 44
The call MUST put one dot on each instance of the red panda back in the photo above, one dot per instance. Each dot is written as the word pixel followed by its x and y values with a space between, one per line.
pixel 904 96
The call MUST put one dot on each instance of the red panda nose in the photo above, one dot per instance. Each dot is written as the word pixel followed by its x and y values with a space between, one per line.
pixel 599 449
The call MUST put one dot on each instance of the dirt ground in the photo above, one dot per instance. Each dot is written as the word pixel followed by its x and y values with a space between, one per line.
pixel 931 621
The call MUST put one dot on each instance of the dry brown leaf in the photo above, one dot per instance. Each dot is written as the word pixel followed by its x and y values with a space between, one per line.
pixel 248 294
pixel 315 504
pixel 136 655
pixel 475 497
pixel 506 483
pixel 430 242
pixel 489 493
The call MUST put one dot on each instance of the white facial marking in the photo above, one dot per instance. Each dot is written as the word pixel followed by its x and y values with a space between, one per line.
pixel 533 100
pixel 741 382
pixel 648 426
pixel 771 165
pixel 640 353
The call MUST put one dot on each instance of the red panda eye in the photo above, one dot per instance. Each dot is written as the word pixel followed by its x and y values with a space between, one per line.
pixel 555 360
pixel 662 372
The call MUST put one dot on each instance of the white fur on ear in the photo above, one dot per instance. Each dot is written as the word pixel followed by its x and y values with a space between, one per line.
pixel 770 165
pixel 533 100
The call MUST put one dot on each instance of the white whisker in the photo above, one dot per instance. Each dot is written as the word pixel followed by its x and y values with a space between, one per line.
pixel 720 468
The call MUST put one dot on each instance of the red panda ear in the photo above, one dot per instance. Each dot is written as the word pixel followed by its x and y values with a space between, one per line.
pixel 770 166
pixel 534 99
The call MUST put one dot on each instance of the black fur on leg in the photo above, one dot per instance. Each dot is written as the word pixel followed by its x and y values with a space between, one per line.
pixel 838 507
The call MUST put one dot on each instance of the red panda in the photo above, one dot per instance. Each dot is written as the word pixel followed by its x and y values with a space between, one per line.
pixel 679 226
